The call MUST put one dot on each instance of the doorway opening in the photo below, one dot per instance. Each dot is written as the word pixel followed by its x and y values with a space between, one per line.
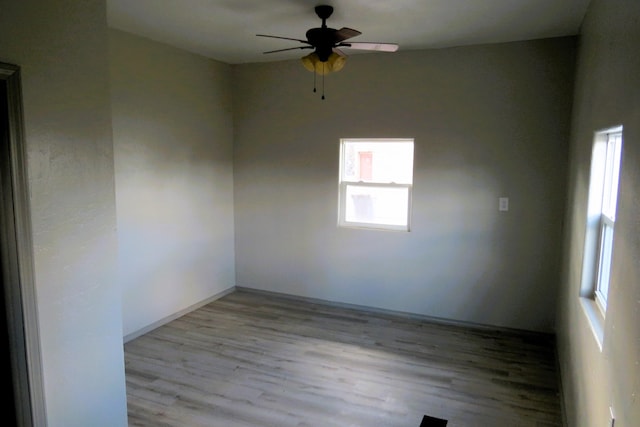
pixel 20 354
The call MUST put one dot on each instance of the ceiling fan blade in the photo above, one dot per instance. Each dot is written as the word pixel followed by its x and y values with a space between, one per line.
pixel 283 38
pixel 381 47
pixel 339 52
pixel 289 48
pixel 345 33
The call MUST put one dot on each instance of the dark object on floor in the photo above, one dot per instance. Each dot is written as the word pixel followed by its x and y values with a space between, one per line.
pixel 428 421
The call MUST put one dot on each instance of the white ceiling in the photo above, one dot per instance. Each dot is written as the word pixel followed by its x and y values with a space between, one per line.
pixel 226 29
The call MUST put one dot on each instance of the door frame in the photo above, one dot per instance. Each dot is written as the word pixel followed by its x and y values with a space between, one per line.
pixel 18 264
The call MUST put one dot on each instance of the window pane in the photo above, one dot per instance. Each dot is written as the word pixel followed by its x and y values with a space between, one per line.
pixel 608 178
pixel 381 162
pixel 615 174
pixel 604 267
pixel 377 205
pixel 612 175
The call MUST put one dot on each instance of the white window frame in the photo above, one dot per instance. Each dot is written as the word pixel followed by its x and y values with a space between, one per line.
pixel 607 217
pixel 601 217
pixel 342 191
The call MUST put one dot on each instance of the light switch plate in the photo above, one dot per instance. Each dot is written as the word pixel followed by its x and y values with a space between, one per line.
pixel 503 204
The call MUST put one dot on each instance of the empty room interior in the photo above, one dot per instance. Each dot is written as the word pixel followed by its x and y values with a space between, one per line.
pixel 434 222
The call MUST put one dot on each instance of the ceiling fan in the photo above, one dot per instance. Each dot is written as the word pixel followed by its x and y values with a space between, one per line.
pixel 327 43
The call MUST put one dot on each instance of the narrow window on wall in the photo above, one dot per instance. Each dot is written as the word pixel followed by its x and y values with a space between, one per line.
pixel 376 177
pixel 603 196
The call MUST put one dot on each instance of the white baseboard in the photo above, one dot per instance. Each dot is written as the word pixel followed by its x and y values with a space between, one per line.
pixel 414 316
pixel 174 316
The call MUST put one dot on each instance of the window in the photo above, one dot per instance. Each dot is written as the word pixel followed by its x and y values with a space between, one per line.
pixel 376 176
pixel 603 195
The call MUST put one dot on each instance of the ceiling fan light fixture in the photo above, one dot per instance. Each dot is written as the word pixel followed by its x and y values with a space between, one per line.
pixel 313 63
pixel 327 56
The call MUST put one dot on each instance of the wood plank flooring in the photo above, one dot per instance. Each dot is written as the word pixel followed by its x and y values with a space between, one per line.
pixel 256 360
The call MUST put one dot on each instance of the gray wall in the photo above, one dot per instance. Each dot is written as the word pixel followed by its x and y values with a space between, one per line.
pixel 62 48
pixel 173 136
pixel 607 94
pixel 488 121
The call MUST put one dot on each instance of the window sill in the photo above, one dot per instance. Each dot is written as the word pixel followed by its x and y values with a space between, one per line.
pixel 595 319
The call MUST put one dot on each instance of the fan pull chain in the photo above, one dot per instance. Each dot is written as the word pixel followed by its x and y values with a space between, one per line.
pixel 323 73
pixel 314 82
pixel 315 79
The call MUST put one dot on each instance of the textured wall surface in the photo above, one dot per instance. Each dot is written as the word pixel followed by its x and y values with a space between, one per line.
pixel 607 94
pixel 488 121
pixel 62 48
pixel 173 136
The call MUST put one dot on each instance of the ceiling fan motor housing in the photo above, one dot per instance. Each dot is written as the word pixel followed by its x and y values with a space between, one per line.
pixel 323 40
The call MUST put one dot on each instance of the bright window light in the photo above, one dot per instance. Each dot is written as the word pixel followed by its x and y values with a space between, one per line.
pixel 376 178
pixel 603 196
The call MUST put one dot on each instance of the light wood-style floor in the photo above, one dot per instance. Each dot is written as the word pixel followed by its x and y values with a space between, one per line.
pixel 256 360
